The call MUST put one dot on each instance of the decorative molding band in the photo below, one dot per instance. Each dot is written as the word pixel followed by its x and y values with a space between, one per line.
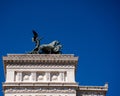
pixel 17 65
pixel 93 88
pixel 92 93
pixel 39 90
pixel 46 84
pixel 39 84
pixel 41 58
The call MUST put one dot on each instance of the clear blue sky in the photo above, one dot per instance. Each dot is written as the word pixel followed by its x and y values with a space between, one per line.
pixel 89 29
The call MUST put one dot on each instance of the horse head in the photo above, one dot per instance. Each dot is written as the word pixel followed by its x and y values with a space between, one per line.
pixel 57 48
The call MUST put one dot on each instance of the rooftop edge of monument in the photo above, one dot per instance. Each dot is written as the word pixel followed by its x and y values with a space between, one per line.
pixel 41 58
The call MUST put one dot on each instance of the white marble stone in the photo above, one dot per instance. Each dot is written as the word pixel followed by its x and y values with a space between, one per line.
pixel 45 75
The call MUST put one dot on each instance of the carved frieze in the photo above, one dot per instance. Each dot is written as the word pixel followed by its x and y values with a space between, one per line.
pixel 40 76
pixel 92 93
pixel 39 90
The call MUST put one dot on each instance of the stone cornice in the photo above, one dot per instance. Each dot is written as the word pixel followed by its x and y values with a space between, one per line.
pixel 40 84
pixel 93 88
pixel 41 58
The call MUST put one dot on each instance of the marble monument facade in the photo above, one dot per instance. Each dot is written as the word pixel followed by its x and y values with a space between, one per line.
pixel 45 75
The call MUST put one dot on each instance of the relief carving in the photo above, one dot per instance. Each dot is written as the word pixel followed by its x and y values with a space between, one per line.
pixel 40 76
pixel 26 76
pixel 92 94
pixel 39 90
pixel 54 76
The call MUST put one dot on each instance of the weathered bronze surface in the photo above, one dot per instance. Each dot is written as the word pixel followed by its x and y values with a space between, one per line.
pixel 52 48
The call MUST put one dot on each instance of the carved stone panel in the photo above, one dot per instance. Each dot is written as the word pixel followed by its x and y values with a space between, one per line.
pixel 40 76
pixel 26 76
pixel 54 76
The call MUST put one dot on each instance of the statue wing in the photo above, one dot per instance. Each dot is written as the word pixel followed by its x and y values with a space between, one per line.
pixel 35 34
